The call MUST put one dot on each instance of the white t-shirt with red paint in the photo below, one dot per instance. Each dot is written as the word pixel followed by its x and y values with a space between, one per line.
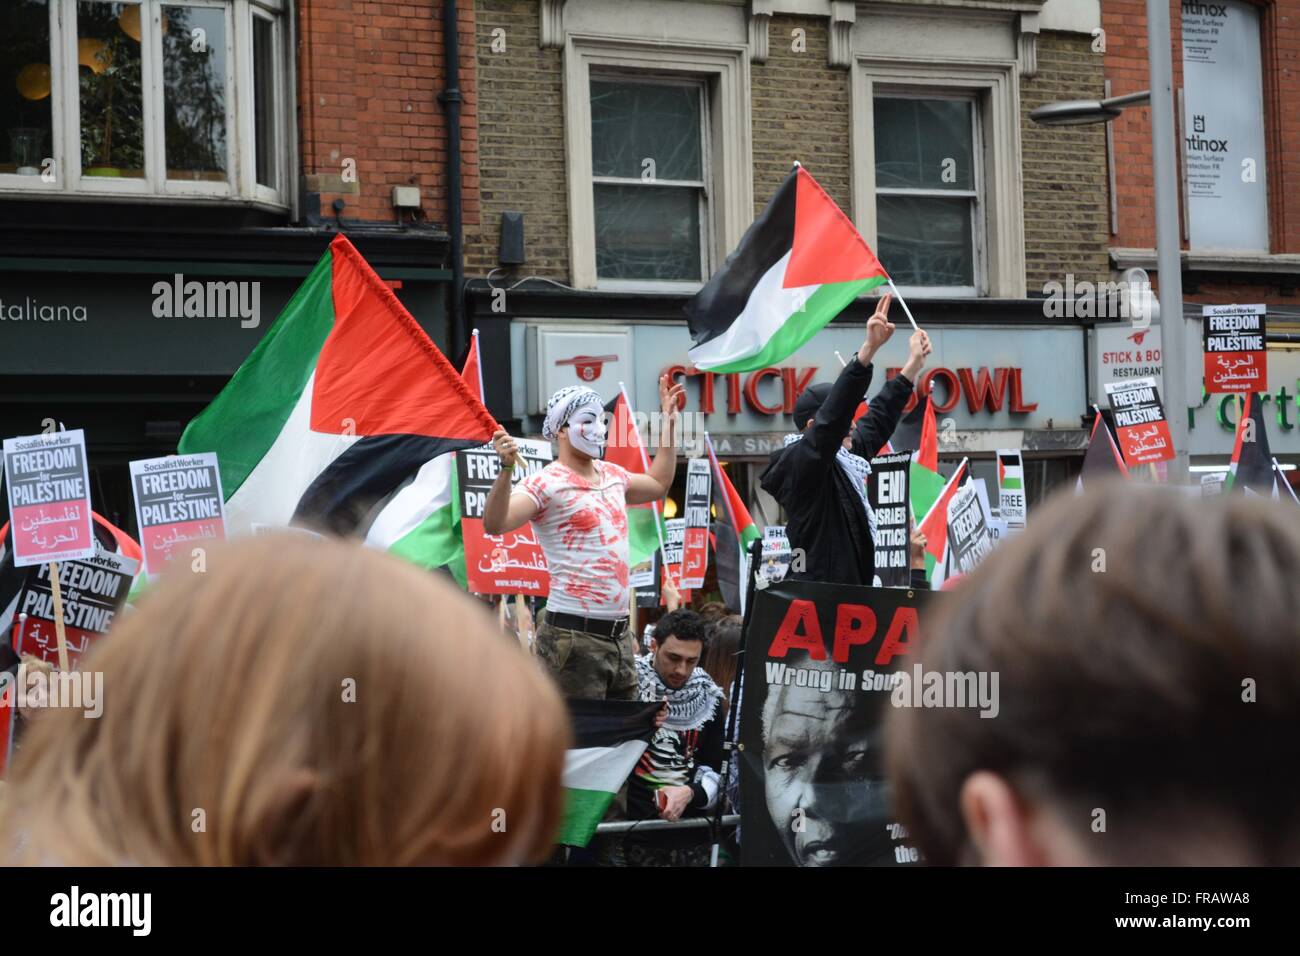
pixel 582 528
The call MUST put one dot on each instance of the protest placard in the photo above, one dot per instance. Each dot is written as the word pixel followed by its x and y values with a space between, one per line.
pixel 887 490
pixel 1140 421
pixel 178 506
pixel 93 591
pixel 695 542
pixel 510 563
pixel 674 535
pixel 1011 487
pixel 969 538
pixel 822 664
pixel 776 553
pixel 49 497
pixel 1236 357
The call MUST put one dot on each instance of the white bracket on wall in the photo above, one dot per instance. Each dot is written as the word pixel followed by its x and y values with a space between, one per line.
pixel 550 32
pixel 1027 48
pixel 844 13
pixel 760 17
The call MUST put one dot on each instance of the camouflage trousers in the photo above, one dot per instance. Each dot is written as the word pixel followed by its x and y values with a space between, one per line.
pixel 589 666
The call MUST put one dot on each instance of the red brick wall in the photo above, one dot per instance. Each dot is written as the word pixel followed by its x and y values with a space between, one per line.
pixel 1127 68
pixel 369 75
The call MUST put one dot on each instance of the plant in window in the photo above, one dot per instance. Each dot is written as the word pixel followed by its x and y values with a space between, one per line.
pixel 112 112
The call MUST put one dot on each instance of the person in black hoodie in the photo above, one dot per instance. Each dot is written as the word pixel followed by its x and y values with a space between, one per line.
pixel 820 477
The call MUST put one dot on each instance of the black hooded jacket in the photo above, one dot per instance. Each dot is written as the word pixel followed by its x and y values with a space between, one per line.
pixel 824 513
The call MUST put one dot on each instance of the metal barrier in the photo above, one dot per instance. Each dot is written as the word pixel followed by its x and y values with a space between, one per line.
pixel 646 826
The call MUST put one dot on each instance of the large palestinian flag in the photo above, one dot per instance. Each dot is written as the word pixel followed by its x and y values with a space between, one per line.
pixel 421 521
pixel 623 447
pixel 343 399
pixel 609 738
pixel 1252 463
pixel 796 268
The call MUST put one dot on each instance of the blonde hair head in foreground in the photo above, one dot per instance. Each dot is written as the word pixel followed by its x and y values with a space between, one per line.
pixel 230 735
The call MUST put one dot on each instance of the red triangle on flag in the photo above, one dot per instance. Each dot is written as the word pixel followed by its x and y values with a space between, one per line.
pixel 935 524
pixel 827 247
pixel 378 373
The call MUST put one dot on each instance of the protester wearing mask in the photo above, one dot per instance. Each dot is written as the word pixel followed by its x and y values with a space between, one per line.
pixel 578 507
pixel 677 776
pixel 820 476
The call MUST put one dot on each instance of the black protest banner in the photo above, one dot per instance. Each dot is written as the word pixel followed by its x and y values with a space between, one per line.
pixel 93 590
pixel 887 490
pixel 821 663
pixel 695 543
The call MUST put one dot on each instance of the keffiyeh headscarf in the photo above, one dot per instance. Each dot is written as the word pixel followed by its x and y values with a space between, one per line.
pixel 564 404
pixel 856 469
pixel 691 706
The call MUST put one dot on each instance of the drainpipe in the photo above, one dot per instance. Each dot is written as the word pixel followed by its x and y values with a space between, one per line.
pixel 450 98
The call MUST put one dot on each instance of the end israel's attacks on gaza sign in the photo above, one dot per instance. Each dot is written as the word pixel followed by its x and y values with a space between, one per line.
pixel 49 497
pixel 178 505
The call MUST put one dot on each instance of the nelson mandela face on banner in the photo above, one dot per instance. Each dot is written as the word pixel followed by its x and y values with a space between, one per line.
pixel 822 773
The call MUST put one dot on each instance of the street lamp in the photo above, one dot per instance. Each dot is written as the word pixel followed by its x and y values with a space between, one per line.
pixel 1168 243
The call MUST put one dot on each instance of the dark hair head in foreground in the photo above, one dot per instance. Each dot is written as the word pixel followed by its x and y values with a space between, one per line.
pixel 1148 649
pixel 299 702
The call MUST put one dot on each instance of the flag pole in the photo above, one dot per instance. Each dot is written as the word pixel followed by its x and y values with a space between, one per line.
pixel 645 463
pixel 903 303
pixel 478 360
pixel 59 632
pixel 841 358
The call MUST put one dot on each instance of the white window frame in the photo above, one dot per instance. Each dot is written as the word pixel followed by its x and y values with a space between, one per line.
pixel 240 185
pixel 977 223
pixel 704 184
pixel 994 85
pixel 723 69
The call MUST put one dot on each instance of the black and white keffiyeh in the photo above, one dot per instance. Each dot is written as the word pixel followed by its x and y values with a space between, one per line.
pixel 858 469
pixel 691 706
pixel 564 404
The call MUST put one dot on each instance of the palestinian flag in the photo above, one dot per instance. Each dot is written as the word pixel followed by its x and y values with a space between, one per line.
pixel 421 522
pixel 1281 487
pixel 623 447
pixel 107 535
pixel 343 399
pixel 742 525
pixel 797 267
pixel 1011 472
pixel 1252 464
pixel 1102 460
pixel 935 528
pixel 609 738
pixel 924 481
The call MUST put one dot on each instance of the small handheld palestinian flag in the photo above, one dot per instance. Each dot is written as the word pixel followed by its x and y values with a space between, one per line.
pixel 737 516
pixel 645 533
pixel 1252 464
pixel 344 398
pixel 796 268
pixel 935 527
pixel 1102 460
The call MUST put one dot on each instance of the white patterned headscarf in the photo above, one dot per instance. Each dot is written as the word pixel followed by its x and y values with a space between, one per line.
pixel 564 404
pixel 856 468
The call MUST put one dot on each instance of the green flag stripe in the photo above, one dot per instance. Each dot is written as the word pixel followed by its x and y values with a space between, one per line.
pixel 822 306
pixel 248 415
pixel 582 812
